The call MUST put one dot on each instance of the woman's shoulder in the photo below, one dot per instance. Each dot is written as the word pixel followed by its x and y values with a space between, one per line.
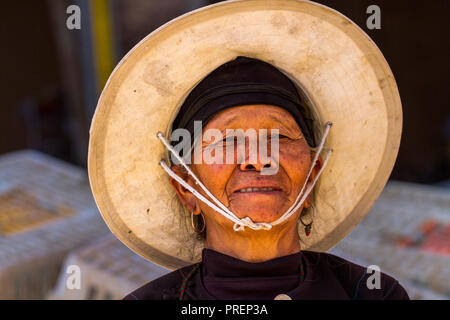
pixel 358 281
pixel 166 287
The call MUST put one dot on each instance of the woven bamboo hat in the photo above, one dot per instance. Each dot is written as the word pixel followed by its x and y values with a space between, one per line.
pixel 341 72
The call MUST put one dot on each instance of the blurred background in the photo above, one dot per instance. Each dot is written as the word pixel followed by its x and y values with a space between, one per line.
pixel 50 82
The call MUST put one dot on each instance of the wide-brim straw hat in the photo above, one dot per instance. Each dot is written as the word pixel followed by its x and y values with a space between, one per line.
pixel 342 74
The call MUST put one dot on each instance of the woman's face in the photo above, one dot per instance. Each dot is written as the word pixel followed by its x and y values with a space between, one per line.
pixel 226 181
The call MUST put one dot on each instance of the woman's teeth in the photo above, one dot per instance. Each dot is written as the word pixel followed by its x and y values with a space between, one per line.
pixel 255 189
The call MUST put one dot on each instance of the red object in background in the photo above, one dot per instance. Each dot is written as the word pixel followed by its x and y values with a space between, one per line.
pixel 438 241
pixel 432 237
pixel 429 226
pixel 404 242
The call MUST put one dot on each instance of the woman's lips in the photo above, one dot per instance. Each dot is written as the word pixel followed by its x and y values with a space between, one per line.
pixel 252 190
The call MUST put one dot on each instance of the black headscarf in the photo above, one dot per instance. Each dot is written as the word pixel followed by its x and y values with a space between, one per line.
pixel 243 81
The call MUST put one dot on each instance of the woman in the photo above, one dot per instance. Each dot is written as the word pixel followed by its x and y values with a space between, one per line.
pixel 255 212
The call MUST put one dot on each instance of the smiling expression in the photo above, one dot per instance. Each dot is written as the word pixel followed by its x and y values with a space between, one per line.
pixel 241 187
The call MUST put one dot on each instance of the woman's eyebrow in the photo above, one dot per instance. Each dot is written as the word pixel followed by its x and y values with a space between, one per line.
pixel 233 118
pixel 283 123
pixel 281 120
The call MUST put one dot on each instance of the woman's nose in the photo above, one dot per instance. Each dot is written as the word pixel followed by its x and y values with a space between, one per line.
pixel 255 166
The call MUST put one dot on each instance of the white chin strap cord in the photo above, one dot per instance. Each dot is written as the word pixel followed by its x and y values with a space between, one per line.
pixel 240 224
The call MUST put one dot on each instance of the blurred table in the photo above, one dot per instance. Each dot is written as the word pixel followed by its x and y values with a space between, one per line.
pixel 109 271
pixel 406 234
pixel 46 210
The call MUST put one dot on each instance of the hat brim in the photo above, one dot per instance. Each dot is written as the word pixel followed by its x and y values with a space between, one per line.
pixel 341 71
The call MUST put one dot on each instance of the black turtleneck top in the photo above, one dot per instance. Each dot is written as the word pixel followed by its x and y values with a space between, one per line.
pixel 227 278
pixel 303 275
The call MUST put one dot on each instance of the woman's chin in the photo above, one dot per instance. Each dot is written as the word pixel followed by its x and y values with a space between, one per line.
pixel 259 206
pixel 259 213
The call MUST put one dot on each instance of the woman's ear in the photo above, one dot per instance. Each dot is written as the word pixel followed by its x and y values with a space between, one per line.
pixel 315 171
pixel 186 197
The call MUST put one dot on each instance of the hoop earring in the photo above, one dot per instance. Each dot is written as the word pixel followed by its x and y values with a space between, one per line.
pixel 193 225
pixel 308 226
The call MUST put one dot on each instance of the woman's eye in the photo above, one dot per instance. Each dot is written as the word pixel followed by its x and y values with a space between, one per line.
pixel 229 139
pixel 282 137
pixel 233 139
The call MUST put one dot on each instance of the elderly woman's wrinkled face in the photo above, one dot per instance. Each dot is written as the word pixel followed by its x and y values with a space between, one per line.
pixel 241 186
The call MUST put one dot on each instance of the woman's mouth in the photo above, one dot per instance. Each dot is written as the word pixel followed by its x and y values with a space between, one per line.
pixel 256 189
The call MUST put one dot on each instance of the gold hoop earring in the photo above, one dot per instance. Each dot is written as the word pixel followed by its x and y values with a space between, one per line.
pixel 193 225
pixel 308 225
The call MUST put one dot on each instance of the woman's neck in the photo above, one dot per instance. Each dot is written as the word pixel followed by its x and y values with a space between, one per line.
pixel 253 245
